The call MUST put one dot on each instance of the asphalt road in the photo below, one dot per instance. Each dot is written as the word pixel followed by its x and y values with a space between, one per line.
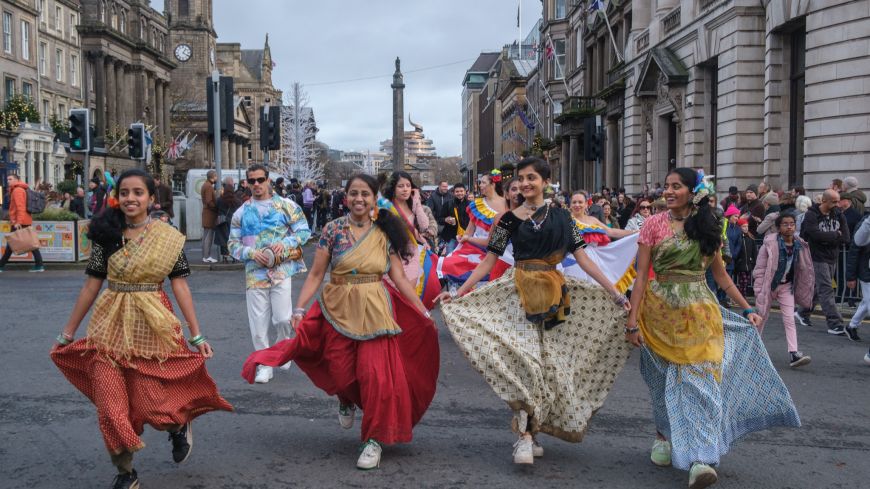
pixel 285 433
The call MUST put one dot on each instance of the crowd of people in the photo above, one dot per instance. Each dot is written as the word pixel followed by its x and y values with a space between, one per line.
pixel 575 279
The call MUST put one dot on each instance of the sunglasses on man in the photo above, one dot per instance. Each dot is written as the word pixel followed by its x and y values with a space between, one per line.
pixel 252 181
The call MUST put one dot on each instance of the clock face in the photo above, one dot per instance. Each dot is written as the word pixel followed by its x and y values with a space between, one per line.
pixel 182 52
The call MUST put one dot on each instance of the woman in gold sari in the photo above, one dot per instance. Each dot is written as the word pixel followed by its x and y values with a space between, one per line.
pixel 362 340
pixel 134 364
pixel 548 345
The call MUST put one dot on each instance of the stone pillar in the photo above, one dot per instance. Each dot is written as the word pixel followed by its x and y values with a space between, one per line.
pixel 167 110
pixel 564 166
pixel 231 154
pixel 158 114
pixel 148 97
pixel 640 16
pixel 100 89
pixel 242 148
pixel 111 93
pixel 611 172
pixel 398 119
pixel 120 95
pixel 575 161
pixel 225 150
pixel 138 93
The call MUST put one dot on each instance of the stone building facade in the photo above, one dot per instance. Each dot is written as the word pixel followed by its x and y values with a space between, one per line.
pixel 472 86
pixel 748 91
pixel 59 58
pixel 251 70
pixel 128 68
pixel 193 42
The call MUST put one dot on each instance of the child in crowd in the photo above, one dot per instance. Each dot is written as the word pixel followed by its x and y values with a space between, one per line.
pixel 744 261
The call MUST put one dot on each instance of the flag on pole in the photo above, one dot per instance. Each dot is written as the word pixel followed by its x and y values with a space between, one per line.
pixel 518 16
pixel 596 5
pixel 549 52
pixel 523 117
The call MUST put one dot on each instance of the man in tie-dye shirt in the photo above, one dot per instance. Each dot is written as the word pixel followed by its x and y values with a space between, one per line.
pixel 268 221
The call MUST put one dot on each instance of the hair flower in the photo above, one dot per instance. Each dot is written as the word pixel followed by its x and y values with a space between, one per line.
pixel 495 176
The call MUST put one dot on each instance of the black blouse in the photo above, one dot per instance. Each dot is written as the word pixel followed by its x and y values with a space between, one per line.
pixel 98 264
pixel 557 234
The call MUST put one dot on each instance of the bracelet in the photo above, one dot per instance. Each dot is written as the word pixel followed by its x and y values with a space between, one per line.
pixel 631 330
pixel 747 312
pixel 197 340
pixel 300 311
pixel 64 339
pixel 620 300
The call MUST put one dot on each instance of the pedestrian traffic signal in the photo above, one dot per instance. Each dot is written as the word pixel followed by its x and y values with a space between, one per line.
pixel 596 145
pixel 79 130
pixel 225 105
pixel 136 141
pixel 270 128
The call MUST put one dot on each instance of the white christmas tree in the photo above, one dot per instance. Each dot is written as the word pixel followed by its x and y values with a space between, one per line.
pixel 300 155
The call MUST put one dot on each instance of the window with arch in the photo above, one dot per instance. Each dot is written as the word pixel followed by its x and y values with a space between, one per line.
pixel 143 29
pixel 114 18
pixel 122 25
pixel 183 8
pixel 103 11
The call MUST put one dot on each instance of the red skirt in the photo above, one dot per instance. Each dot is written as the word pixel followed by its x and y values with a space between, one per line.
pixel 391 378
pixel 130 394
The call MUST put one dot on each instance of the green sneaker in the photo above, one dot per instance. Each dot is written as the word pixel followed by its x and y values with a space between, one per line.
pixel 661 453
pixel 701 476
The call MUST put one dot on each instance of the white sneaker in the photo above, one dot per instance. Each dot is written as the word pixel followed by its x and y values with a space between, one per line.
pixel 287 365
pixel 523 451
pixel 867 358
pixel 537 449
pixel 346 415
pixel 209 259
pixel 370 457
pixel 264 374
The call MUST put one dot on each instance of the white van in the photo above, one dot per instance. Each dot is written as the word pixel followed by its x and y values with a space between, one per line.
pixel 193 205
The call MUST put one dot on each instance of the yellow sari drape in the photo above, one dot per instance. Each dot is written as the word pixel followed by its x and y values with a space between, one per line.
pixel 360 309
pixel 137 324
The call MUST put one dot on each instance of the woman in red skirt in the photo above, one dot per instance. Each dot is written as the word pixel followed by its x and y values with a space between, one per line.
pixel 134 364
pixel 371 345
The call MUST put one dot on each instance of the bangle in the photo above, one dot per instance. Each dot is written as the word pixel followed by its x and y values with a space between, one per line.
pixel 197 340
pixel 300 311
pixel 64 339
pixel 620 300
pixel 747 312
pixel 631 330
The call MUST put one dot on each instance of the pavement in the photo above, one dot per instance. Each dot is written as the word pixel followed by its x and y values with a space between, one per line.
pixel 285 433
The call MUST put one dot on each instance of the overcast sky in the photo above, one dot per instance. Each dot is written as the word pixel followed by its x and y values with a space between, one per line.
pixel 336 40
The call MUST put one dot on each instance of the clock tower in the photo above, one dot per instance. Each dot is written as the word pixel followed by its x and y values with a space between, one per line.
pixel 192 41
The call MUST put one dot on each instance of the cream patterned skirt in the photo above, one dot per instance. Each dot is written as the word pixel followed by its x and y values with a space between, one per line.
pixel 558 377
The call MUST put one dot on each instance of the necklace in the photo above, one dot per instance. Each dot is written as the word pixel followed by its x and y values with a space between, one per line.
pixel 139 239
pixel 356 223
pixel 536 225
pixel 530 207
pixel 144 223
pixel 672 217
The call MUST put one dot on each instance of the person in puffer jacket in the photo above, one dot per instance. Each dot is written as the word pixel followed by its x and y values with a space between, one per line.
pixel 784 272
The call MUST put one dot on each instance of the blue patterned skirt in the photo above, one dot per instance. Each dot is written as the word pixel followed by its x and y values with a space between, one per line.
pixel 702 417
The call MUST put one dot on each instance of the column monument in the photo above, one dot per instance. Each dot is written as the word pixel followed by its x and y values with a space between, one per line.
pixel 398 119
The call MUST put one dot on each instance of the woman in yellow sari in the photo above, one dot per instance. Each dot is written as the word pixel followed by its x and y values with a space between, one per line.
pixel 134 364
pixel 362 340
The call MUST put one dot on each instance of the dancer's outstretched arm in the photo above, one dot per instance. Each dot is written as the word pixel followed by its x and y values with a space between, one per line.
pixel 482 270
pixel 312 283
pixel 87 296
pixel 591 268
pixel 181 291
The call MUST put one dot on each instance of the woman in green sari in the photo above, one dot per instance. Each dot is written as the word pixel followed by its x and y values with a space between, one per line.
pixel 709 375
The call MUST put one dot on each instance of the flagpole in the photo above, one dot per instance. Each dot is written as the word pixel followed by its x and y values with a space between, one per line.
pixel 561 68
pixel 609 30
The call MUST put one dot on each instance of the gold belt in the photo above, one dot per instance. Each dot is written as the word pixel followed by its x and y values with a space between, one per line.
pixel 677 278
pixel 354 279
pixel 535 267
pixel 125 287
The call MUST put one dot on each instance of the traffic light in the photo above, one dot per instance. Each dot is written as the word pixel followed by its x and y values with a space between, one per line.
pixel 596 145
pixel 270 128
pixel 227 110
pixel 79 130
pixel 136 141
